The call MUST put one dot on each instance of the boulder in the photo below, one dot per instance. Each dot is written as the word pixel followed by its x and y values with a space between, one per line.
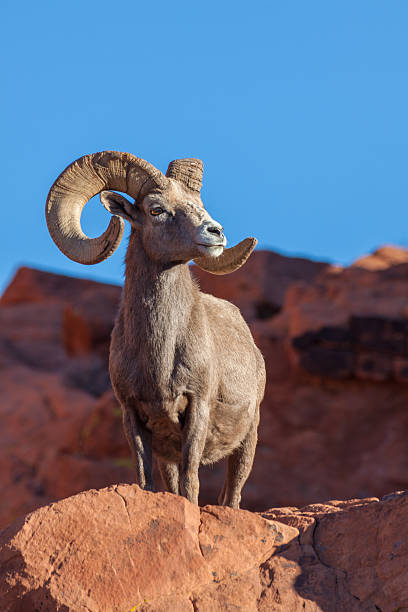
pixel 121 548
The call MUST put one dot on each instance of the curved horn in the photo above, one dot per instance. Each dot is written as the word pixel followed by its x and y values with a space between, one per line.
pixel 230 260
pixel 79 182
pixel 188 171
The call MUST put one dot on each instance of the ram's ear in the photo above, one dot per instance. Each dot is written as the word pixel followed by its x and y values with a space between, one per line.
pixel 119 206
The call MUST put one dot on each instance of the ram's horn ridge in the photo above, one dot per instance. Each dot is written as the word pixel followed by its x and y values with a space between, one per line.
pixel 78 183
pixel 188 171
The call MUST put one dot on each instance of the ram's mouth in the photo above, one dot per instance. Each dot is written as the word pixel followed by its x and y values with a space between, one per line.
pixel 219 244
pixel 210 250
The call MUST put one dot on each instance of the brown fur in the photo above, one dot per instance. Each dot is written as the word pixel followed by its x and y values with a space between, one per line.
pixel 183 364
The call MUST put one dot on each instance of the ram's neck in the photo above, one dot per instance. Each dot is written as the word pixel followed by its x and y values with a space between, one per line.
pixel 156 308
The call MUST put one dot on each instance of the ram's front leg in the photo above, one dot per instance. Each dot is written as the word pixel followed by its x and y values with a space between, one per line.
pixel 194 436
pixel 140 442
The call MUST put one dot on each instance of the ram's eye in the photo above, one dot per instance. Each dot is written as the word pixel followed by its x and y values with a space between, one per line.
pixel 156 211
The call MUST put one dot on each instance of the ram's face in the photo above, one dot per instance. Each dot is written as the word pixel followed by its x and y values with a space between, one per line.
pixel 176 226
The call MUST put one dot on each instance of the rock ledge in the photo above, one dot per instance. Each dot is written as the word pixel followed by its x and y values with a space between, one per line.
pixel 123 549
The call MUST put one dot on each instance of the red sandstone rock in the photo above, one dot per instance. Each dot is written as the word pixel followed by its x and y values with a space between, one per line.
pixel 259 287
pixel 86 309
pixel 46 442
pixel 124 549
pixel 383 258
pixel 37 286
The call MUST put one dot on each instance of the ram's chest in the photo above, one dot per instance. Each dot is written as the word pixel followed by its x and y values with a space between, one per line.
pixel 160 407
pixel 148 369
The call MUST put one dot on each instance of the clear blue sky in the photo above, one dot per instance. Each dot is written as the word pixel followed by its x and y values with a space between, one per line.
pixel 298 109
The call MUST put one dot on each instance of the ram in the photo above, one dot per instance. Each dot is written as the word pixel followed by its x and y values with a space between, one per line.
pixel 183 363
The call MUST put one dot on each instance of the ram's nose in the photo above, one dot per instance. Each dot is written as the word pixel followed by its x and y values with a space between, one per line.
pixel 215 229
pixel 211 234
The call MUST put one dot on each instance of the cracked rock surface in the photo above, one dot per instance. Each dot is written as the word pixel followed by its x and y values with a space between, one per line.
pixel 124 549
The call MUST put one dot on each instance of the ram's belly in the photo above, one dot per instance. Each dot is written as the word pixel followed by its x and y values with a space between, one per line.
pixel 228 426
pixel 166 439
pixel 227 429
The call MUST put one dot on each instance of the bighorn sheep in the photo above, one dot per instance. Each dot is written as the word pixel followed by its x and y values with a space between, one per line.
pixel 183 364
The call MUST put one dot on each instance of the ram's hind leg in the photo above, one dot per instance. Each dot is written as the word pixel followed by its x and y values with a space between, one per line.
pixel 239 468
pixel 140 441
pixel 170 476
